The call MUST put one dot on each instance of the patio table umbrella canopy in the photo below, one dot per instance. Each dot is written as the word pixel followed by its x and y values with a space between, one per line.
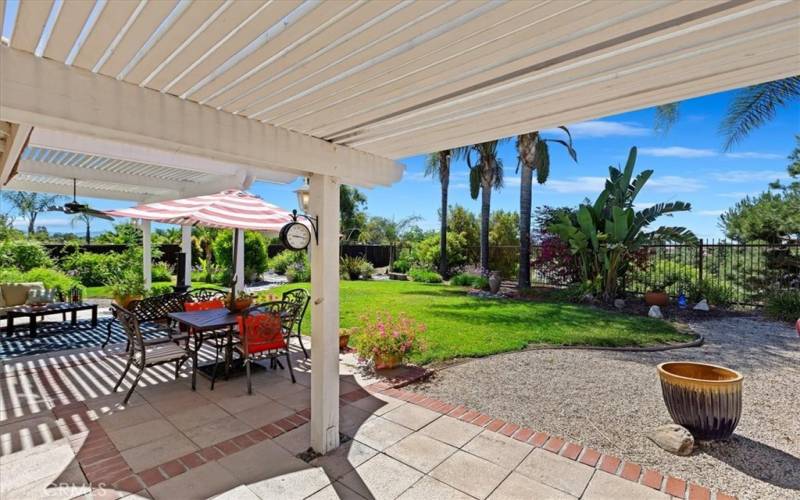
pixel 229 209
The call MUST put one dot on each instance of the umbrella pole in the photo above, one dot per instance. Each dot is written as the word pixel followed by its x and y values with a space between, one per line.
pixel 235 264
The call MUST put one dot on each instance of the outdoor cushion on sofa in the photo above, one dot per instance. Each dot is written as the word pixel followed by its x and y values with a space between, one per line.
pixel 41 296
pixel 16 294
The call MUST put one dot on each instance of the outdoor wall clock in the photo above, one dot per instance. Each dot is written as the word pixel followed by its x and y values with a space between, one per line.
pixel 295 235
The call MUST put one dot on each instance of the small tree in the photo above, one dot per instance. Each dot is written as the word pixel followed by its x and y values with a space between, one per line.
pixel 30 205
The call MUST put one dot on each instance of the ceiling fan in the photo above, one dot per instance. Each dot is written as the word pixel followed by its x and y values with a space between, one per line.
pixel 73 207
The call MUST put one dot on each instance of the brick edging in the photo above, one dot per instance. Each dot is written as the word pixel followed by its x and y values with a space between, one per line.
pixel 633 472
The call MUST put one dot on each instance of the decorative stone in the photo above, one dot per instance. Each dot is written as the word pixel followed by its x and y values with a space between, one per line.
pixel 494 282
pixel 589 298
pixel 655 312
pixel 702 306
pixel 619 303
pixel 673 438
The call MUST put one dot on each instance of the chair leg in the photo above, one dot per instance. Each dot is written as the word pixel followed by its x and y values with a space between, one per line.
pixel 178 368
pixel 124 372
pixel 133 386
pixel 247 369
pixel 194 365
pixel 108 337
pixel 216 363
pixel 289 362
pixel 303 347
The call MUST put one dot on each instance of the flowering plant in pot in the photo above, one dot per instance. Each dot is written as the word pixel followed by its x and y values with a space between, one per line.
pixel 387 340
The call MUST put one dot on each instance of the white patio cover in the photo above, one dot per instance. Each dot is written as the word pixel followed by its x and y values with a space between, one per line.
pixel 227 209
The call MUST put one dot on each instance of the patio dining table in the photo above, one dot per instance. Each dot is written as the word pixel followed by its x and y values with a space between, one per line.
pixel 200 323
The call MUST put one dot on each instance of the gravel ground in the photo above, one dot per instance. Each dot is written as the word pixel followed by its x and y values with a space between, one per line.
pixel 609 400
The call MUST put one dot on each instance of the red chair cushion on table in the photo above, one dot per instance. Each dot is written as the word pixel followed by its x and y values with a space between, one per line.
pixel 204 306
pixel 261 332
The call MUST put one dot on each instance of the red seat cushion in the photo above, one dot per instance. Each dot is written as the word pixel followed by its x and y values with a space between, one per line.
pixel 261 332
pixel 204 306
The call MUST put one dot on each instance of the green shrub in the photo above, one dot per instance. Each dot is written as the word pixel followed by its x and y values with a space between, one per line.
pixel 160 289
pixel 255 253
pixel 424 275
pixel 481 283
pixel 783 305
pixel 95 269
pixel 23 254
pixel 161 272
pixel 51 278
pixel 298 273
pixel 426 252
pixel 716 293
pixel 574 292
pixel 281 262
pixel 401 266
pixel 354 268
pixel 464 279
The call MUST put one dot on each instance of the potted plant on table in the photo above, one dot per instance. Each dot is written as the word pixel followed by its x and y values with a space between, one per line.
pixel 242 301
pixel 387 340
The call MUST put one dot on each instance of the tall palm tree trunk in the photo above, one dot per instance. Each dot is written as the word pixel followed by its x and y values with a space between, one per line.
pixel 486 203
pixel 443 230
pixel 88 233
pixel 525 195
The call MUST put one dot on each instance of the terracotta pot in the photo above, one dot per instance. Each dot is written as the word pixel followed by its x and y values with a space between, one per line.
pixel 242 304
pixel 656 298
pixel 387 362
pixel 124 300
pixel 706 399
pixel 344 339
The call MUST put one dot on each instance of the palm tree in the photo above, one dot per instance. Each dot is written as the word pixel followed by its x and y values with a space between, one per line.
pixel 203 237
pixel 751 108
pixel 533 154
pixel 30 205
pixel 486 174
pixel 84 218
pixel 439 165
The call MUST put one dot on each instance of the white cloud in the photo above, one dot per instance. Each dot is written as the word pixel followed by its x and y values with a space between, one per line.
pixel 755 156
pixel 677 152
pixel 603 128
pixel 710 213
pixel 749 175
pixel 674 184
pixel 577 185
pixel 683 152
pixel 735 194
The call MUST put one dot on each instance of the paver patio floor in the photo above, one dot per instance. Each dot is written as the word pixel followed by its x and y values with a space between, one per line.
pixel 63 434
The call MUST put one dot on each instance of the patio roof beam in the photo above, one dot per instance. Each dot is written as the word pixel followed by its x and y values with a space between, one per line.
pixel 15 144
pixel 48 94
pixel 66 189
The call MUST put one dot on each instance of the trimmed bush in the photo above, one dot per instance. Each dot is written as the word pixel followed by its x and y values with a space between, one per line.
pixel 281 262
pixel 51 278
pixel 426 252
pixel 464 279
pixel 401 266
pixel 94 269
pixel 23 255
pixel 424 276
pixel 160 289
pixel 298 273
pixel 255 253
pixel 783 305
pixel 161 272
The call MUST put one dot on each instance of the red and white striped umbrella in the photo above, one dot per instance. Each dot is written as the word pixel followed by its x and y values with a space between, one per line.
pixel 228 209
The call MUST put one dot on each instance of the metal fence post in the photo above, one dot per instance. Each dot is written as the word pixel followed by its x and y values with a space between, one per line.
pixel 700 265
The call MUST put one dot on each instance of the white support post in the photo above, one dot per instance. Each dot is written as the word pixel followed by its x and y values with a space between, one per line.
pixel 147 255
pixel 238 257
pixel 324 203
pixel 186 248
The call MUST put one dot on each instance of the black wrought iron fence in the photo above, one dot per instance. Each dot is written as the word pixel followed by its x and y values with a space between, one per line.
pixel 723 272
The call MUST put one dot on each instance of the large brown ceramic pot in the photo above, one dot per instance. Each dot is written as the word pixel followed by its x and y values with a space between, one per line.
pixel 706 399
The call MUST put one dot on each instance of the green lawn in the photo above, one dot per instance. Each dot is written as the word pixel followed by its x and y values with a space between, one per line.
pixel 460 325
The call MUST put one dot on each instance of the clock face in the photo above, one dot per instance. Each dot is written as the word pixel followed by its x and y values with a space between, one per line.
pixel 296 236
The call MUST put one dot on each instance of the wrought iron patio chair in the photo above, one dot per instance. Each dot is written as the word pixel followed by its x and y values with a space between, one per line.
pixel 153 309
pixel 143 355
pixel 300 298
pixel 264 334
pixel 203 299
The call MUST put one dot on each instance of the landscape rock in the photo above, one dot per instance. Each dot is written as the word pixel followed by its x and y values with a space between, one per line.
pixel 619 303
pixel 655 312
pixel 673 438
pixel 702 306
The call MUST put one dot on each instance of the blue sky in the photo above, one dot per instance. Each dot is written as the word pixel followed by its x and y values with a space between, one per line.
pixel 688 162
